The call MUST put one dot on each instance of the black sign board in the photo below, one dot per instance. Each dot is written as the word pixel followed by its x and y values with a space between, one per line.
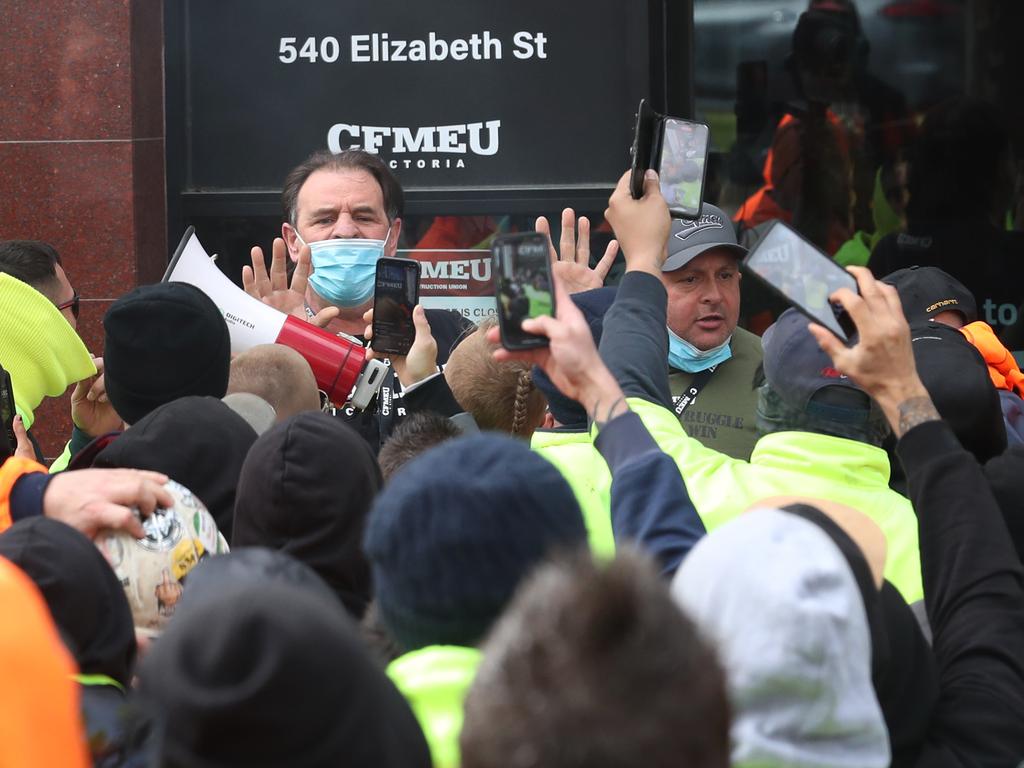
pixel 465 99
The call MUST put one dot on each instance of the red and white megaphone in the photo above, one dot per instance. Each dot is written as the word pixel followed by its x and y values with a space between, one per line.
pixel 336 362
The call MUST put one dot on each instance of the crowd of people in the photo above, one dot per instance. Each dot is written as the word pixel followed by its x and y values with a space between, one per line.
pixel 660 540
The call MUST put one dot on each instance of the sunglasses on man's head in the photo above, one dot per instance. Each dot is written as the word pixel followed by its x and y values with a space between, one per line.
pixel 74 304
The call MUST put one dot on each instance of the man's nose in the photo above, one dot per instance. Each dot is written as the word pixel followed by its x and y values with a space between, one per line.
pixel 712 293
pixel 344 227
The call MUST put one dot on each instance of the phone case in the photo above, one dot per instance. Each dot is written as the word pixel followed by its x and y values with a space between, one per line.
pixel 508 340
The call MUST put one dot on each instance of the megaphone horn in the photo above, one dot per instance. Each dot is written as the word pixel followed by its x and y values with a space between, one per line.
pixel 336 362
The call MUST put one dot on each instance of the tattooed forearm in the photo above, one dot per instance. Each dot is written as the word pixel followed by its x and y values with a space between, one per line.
pixel 914 411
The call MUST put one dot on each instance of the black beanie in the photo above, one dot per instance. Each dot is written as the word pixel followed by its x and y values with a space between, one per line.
pixel 265 672
pixel 455 531
pixel 163 342
pixel 197 441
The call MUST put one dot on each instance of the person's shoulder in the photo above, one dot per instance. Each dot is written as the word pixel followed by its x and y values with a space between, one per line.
pixel 448 328
pixel 746 345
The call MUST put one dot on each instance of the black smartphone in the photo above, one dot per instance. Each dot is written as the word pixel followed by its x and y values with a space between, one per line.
pixel 7 414
pixel 396 293
pixel 522 286
pixel 644 135
pixel 802 275
pixel 678 150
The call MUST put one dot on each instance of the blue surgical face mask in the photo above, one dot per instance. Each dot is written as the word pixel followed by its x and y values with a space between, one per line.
pixel 686 357
pixel 344 269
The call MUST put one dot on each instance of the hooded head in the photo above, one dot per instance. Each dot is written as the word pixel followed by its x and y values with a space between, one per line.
pixel 199 441
pixel 163 342
pixel 305 489
pixel 779 600
pixel 457 529
pixel 264 672
pixel 84 596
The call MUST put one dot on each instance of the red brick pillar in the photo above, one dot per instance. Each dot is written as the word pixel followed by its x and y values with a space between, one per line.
pixel 82 151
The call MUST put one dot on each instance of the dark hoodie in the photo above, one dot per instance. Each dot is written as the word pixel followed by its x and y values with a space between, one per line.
pixel 91 612
pixel 198 441
pixel 267 673
pixel 305 489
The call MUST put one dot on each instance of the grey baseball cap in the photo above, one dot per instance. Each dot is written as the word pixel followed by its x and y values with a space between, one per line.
pixel 692 237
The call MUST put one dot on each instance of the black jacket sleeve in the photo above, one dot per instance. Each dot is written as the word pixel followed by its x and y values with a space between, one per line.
pixel 974 595
pixel 634 341
pixel 1005 474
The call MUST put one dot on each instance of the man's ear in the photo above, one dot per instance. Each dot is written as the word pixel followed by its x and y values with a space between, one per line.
pixel 391 246
pixel 548 421
pixel 291 239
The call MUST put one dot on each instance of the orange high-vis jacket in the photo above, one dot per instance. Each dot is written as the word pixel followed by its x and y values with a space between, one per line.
pixel 11 470
pixel 1002 367
pixel 40 717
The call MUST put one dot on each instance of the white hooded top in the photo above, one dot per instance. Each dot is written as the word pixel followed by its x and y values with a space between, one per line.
pixel 776 596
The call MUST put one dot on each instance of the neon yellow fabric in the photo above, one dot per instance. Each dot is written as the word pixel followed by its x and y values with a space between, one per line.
pixel 435 680
pixel 40 349
pixel 582 466
pixel 808 464
pixel 857 250
pixel 98 680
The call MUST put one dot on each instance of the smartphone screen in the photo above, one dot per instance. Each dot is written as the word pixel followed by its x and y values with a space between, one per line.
pixel 396 294
pixel 681 162
pixel 8 440
pixel 523 286
pixel 803 275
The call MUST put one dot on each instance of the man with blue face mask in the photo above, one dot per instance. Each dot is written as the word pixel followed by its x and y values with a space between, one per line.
pixel 343 213
pixel 711 362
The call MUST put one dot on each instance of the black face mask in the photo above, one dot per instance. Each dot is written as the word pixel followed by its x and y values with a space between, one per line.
pixel 902 667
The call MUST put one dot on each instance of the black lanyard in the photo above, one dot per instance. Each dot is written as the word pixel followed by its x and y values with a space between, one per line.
pixel 700 380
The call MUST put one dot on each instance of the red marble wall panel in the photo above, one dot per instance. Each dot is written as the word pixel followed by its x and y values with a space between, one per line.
pixel 82 151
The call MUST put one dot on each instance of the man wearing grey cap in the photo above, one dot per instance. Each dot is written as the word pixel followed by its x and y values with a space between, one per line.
pixel 711 362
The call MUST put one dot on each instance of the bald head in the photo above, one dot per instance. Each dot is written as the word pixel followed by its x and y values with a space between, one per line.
pixel 279 375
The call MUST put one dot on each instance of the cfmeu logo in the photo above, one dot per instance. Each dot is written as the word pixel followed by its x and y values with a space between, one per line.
pixel 707 221
pixel 467 138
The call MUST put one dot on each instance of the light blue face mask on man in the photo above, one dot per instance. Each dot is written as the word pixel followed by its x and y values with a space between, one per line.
pixel 344 269
pixel 686 357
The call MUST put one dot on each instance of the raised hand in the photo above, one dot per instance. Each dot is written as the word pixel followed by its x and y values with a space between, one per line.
pixel 273 288
pixel 882 360
pixel 421 361
pixel 570 360
pixel 641 226
pixel 91 410
pixel 570 264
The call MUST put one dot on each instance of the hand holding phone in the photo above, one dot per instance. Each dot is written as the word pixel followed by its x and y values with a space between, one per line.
pixel 396 294
pixel 523 287
pixel 802 275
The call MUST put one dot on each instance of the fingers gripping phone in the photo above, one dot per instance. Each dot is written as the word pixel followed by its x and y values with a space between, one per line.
pixel 803 276
pixel 678 150
pixel 396 294
pixel 523 287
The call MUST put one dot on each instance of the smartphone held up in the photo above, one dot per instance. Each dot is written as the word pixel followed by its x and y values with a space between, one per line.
pixel 803 276
pixel 395 296
pixel 677 149
pixel 523 287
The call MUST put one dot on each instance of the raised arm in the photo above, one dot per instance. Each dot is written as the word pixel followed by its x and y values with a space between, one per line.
pixel 634 339
pixel 973 582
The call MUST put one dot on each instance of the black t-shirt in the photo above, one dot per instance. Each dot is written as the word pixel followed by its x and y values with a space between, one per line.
pixel 386 411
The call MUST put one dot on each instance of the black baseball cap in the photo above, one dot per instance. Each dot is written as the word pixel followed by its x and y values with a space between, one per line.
pixel 927 291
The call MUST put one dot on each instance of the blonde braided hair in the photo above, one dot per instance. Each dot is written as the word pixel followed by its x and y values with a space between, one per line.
pixel 520 407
